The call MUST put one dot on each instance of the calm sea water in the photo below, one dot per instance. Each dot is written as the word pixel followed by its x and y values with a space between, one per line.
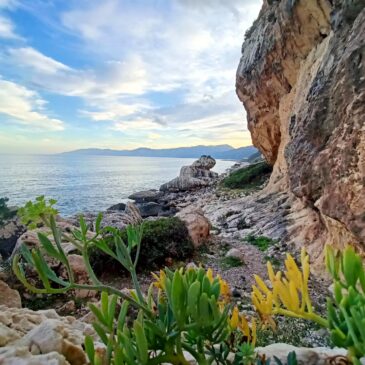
pixel 86 183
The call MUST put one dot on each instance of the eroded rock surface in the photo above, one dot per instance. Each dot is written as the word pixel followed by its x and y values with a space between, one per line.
pixel 42 337
pixel 191 177
pixel 301 79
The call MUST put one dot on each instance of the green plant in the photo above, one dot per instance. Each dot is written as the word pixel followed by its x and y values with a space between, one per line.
pixel 38 212
pixel 346 310
pixel 249 177
pixel 162 238
pixel 291 359
pixel 228 262
pixel 5 212
pixel 185 310
pixel 290 296
pixel 261 242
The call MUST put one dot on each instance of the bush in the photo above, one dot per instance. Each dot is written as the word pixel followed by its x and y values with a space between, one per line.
pixel 261 242
pixel 162 238
pixel 5 211
pixel 249 177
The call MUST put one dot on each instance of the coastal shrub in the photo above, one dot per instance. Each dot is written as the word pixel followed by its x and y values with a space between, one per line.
pixel 229 262
pixel 5 211
pixel 186 310
pixel 249 177
pixel 261 242
pixel 161 239
pixel 289 295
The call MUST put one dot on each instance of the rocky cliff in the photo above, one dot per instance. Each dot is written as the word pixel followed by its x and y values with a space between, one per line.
pixel 301 79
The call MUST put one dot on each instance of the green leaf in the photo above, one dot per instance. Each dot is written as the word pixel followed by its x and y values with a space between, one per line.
pixel 98 222
pixel 141 341
pixel 89 349
pixel 101 332
pixel 48 246
pixel 98 314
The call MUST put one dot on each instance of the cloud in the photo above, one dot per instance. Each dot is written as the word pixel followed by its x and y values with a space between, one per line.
pixel 24 106
pixel 152 69
pixel 7 29
pixel 29 57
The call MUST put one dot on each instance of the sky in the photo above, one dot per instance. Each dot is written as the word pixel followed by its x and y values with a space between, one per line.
pixel 121 74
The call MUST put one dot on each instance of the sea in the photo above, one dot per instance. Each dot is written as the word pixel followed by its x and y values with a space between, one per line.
pixel 86 183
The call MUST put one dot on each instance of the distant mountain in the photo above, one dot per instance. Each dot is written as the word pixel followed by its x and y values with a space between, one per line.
pixel 224 151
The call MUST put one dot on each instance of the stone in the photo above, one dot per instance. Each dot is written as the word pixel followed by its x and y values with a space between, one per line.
pixel 305 356
pixel 146 196
pixel 149 209
pixel 301 79
pixel 197 224
pixel 42 337
pixel 9 297
pixel 21 356
pixel 118 207
pixel 236 254
pixel 192 177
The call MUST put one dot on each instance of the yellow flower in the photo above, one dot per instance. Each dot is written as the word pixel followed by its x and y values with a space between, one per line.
pixel 233 321
pixel 253 332
pixel 160 280
pixel 224 289
pixel 210 275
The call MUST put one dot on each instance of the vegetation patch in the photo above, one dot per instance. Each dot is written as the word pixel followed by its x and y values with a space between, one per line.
pixel 261 242
pixel 229 262
pixel 250 177
pixel 162 238
pixel 5 211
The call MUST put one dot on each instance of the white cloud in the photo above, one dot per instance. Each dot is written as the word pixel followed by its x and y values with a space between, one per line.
pixel 29 57
pixel 188 50
pixel 25 107
pixel 7 28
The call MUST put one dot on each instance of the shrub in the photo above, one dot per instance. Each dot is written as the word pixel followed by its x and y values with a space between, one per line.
pixel 249 177
pixel 5 211
pixel 261 242
pixel 162 238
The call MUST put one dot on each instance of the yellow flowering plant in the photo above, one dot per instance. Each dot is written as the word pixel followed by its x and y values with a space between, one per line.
pixel 288 293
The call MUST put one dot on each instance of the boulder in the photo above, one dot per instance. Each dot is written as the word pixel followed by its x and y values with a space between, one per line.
pixel 149 209
pixel 42 337
pixel 197 224
pixel 192 177
pixel 9 297
pixel 118 207
pixel 236 254
pixel 305 356
pixel 146 196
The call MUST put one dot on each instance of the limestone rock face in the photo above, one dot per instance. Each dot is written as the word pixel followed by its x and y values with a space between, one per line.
pixel 301 79
pixel 191 177
pixel 43 337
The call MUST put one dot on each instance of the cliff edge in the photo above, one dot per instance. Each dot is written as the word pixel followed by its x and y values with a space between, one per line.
pixel 301 79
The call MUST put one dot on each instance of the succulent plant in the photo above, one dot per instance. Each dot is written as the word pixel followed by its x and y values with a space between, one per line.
pixel 186 310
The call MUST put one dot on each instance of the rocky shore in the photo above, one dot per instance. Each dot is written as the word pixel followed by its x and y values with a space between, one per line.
pixel 226 228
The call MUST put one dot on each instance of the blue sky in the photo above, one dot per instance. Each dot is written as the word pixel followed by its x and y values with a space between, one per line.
pixel 120 73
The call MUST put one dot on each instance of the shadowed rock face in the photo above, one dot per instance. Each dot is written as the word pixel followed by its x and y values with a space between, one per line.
pixel 301 79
